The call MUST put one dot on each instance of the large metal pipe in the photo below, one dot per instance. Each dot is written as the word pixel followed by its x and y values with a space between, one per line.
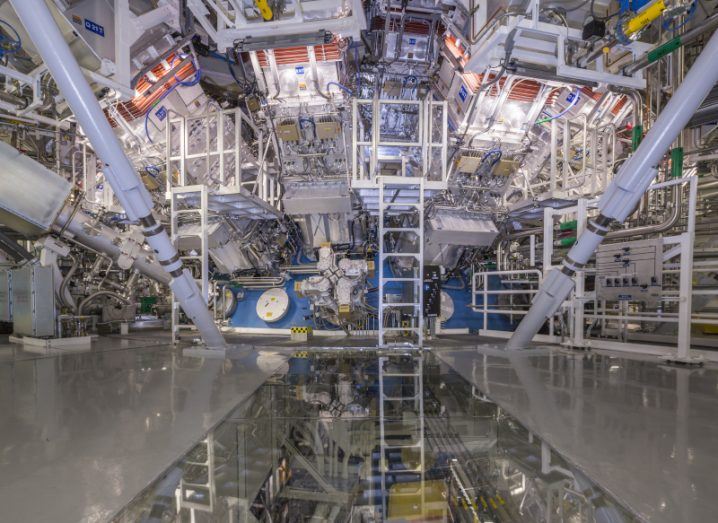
pixel 95 295
pixel 129 189
pixel 99 237
pixel 655 228
pixel 624 192
pixel 30 212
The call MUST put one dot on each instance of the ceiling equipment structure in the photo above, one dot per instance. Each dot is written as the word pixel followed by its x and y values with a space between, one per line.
pixel 389 178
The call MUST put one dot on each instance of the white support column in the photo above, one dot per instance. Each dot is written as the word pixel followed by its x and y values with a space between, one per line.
pixel 624 191
pixel 127 185
pixel 554 156
pixel 566 171
pixel 685 295
pixel 580 278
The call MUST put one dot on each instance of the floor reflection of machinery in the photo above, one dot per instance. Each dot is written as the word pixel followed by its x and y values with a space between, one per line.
pixel 367 437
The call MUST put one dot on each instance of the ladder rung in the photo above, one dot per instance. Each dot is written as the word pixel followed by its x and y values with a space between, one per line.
pixel 195 485
pixel 401 398
pixel 400 255
pixel 401 328
pixel 401 375
pixel 400 180
pixel 418 280
pixel 401 304
pixel 401 204
pixel 411 446
pixel 402 229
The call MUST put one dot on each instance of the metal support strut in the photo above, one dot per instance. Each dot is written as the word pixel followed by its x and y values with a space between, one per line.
pixel 626 189
pixel 129 189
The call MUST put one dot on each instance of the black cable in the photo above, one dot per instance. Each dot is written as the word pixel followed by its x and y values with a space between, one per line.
pixel 601 18
pixel 231 71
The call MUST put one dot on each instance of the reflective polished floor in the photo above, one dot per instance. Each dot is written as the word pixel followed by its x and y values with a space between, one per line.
pixel 645 432
pixel 317 443
pixel 124 430
pixel 81 433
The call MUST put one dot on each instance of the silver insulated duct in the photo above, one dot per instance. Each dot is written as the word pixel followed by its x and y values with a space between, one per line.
pixel 34 201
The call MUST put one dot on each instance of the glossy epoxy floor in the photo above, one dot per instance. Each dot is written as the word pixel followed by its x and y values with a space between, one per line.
pixel 645 432
pixel 83 432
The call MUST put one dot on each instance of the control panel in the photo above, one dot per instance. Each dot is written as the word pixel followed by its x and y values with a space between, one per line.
pixel 432 290
pixel 630 271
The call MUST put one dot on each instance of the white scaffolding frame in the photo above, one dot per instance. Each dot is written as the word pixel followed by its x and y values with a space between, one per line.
pixel 197 206
pixel 229 164
pixel 428 125
pixel 389 189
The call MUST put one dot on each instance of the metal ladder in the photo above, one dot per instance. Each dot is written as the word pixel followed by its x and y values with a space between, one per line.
pixel 200 497
pixel 178 195
pixel 400 195
pixel 417 398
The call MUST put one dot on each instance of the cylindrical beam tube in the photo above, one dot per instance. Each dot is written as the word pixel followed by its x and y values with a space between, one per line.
pixel 129 189
pixel 625 191
pixel 101 238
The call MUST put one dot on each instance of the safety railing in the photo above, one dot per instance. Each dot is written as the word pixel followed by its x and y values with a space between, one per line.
pixel 409 134
pixel 222 150
pixel 517 288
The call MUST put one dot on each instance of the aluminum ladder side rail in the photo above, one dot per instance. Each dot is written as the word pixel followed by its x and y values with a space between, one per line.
pixel 37 18
pixel 418 398
pixel 390 187
pixel 623 194
pixel 202 210
pixel 187 488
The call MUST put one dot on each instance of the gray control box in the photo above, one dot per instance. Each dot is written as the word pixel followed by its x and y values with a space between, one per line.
pixel 630 271
pixel 33 301
pixel 6 296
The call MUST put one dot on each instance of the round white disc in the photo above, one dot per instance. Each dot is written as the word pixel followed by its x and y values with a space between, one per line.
pixel 447 307
pixel 272 305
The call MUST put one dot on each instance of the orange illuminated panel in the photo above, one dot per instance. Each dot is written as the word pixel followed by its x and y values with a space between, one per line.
pixel 299 55
pixel 145 97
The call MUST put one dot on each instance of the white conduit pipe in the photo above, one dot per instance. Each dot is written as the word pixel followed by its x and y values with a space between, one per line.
pixel 626 189
pixel 129 189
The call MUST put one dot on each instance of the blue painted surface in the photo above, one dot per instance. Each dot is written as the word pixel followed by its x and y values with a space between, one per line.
pixel 95 28
pixel 246 313
pixel 299 314
pixel 464 316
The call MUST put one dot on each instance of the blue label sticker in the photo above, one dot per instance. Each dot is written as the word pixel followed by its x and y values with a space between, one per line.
pixel 299 69
pixel 412 41
pixel 161 113
pixel 95 28
pixel 463 93
pixel 571 97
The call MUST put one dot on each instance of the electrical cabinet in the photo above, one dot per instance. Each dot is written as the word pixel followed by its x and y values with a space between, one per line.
pixel 6 296
pixel 327 128
pixel 288 131
pixel 630 271
pixel 432 290
pixel 33 301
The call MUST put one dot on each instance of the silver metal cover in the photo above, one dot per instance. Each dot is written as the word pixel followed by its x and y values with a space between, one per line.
pixel 31 196
pixel 456 228
pixel 5 296
pixel 33 297
pixel 317 198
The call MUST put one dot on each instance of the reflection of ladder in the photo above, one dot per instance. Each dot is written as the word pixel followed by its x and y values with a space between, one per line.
pixel 181 206
pixel 401 195
pixel 401 386
pixel 199 493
